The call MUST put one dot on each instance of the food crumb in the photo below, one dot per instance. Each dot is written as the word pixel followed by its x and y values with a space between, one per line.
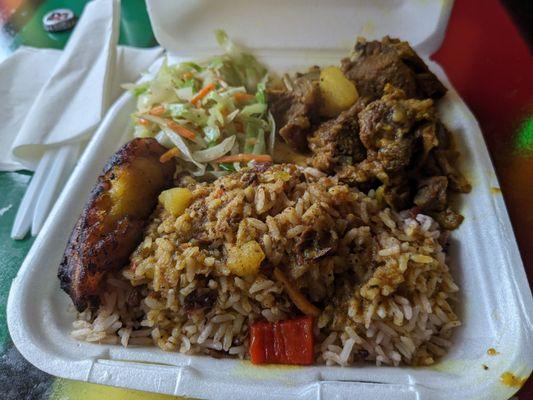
pixel 509 379
pixel 485 367
pixel 495 190
pixel 492 351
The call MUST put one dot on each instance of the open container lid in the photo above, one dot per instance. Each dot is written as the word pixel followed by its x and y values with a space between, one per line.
pixel 297 27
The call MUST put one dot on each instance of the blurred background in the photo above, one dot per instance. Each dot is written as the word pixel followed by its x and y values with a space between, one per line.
pixel 487 54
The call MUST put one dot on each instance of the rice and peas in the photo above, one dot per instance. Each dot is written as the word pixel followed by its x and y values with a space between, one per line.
pixel 381 277
pixel 378 279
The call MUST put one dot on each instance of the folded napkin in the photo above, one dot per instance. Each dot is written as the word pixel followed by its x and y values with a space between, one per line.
pixel 21 77
pixel 52 97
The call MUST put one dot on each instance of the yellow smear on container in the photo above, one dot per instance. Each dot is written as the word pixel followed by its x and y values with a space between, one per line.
pixel 369 28
pixel 511 380
pixel 495 190
pixel 278 372
pixel 492 352
pixel 65 389
pixel 449 366
pixel 268 367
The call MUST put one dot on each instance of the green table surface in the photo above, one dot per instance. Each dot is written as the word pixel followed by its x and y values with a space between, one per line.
pixel 508 131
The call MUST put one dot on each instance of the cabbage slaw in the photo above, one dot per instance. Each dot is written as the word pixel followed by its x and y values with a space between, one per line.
pixel 214 112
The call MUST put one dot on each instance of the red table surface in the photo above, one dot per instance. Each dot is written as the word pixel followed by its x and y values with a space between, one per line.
pixel 490 64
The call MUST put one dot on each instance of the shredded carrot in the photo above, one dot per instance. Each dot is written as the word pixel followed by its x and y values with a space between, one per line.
pixel 202 93
pixel 143 121
pixel 180 130
pixel 295 295
pixel 244 158
pixel 169 154
pixel 157 110
pixel 241 96
pixel 218 193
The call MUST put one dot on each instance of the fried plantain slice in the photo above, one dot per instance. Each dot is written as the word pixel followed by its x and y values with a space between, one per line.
pixel 112 222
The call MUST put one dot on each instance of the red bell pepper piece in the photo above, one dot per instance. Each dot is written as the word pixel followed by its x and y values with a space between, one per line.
pixel 284 342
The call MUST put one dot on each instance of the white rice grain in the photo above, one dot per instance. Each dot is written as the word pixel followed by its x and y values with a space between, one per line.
pixel 205 333
pixel 346 351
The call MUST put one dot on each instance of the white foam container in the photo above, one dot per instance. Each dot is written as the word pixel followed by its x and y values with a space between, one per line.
pixel 496 304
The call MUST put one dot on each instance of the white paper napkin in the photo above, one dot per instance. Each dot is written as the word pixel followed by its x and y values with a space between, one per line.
pixel 21 77
pixel 72 102
pixel 52 98
pixel 25 72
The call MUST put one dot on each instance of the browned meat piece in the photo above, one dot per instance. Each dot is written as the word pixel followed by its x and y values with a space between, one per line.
pixel 200 299
pixel 366 171
pixel 374 64
pixel 134 296
pixel 389 125
pixel 296 109
pixel 457 182
pixel 337 142
pixel 408 152
pixel 448 219
pixel 445 155
pixel 390 140
pixel 397 196
pixel 312 245
pixel 428 133
pixel 431 195
pixel 396 154
pixel 113 220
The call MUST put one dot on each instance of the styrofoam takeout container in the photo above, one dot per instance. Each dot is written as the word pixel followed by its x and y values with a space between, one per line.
pixel 496 306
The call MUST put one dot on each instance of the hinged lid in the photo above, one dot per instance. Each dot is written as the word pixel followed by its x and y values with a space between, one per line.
pixel 185 27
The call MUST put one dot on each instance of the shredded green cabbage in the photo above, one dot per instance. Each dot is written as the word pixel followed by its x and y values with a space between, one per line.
pixel 238 66
pixel 208 109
